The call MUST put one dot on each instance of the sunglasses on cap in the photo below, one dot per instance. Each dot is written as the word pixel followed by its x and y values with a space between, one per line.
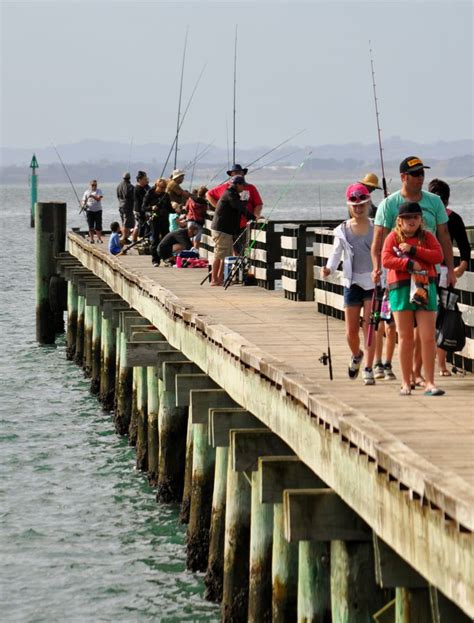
pixel 359 198
pixel 420 173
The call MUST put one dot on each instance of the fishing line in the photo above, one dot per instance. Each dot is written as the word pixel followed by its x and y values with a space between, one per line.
pixel 180 96
pixel 235 90
pixel 82 207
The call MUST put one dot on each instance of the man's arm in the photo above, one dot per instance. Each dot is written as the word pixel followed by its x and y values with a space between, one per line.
pixel 380 233
pixel 258 210
pixel 211 200
pixel 447 246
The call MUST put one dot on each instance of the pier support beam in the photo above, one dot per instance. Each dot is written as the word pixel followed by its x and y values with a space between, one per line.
pixel 71 320
pixel 107 364
pixel 96 349
pixel 152 427
pixel 50 232
pixel 320 515
pixel 198 391
pixel 142 416
pixel 88 327
pixel 79 352
pixel 172 427
pixel 278 474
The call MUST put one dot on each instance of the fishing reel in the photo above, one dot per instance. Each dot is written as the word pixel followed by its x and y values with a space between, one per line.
pixel 324 359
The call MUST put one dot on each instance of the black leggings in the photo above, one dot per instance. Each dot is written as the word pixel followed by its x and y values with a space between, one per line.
pixel 159 229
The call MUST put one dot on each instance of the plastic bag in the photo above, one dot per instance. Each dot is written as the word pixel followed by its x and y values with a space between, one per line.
pixel 450 327
pixel 419 288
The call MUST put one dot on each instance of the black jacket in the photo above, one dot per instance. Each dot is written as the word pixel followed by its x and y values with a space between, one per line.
pixel 228 211
pixel 125 195
pixel 159 204
pixel 138 197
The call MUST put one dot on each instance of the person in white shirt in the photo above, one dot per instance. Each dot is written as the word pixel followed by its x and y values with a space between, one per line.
pixel 91 202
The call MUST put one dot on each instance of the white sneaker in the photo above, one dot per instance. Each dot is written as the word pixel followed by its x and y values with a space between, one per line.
pixel 379 370
pixel 354 366
pixel 388 372
pixel 368 376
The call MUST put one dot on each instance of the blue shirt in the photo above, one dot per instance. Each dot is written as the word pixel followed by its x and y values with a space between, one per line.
pixel 114 243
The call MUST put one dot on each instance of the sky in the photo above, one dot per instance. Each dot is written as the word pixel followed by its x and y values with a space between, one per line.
pixel 111 71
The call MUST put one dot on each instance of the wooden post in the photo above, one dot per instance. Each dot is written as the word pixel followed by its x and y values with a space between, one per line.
pixel 79 353
pixel 188 474
pixel 132 427
pixel 71 320
pixel 261 537
pixel 215 566
pixel 88 325
pixel 413 605
pixel 172 426
pixel 48 223
pixel 236 544
pixel 107 364
pixel 284 571
pixel 313 603
pixel 152 425
pixel 142 416
pixel 96 347
pixel 123 412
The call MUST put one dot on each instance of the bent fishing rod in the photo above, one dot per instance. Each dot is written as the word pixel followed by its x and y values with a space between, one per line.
pixel 246 252
pixel 183 118
pixel 81 206
pixel 179 99
pixel 325 358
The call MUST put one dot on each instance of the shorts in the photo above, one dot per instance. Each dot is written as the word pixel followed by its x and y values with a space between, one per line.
pixel 400 299
pixel 199 226
pixel 128 219
pixel 94 220
pixel 223 244
pixel 355 296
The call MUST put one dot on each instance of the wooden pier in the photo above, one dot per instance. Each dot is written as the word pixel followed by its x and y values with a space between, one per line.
pixel 306 499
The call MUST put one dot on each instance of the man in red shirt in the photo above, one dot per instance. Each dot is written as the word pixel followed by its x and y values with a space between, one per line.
pixel 249 194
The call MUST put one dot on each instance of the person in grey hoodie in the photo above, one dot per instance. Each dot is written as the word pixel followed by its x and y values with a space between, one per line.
pixel 352 243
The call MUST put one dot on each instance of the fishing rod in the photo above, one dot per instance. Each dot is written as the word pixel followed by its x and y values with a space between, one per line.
pixel 270 151
pixel 183 118
pixel 325 358
pixel 379 134
pixel 227 141
pixel 235 90
pixel 377 295
pixel 81 206
pixel 179 100
pixel 267 164
pixel 194 167
pixel 468 177
pixel 246 252
pixel 199 156
pixel 208 276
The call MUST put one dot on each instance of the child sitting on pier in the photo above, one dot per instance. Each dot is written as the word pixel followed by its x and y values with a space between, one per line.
pixel 115 242
pixel 352 242
pixel 409 251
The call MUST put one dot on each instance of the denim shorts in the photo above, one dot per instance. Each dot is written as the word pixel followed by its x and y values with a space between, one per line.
pixel 355 296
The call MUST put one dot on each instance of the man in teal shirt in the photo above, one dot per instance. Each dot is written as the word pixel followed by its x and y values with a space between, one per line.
pixel 435 218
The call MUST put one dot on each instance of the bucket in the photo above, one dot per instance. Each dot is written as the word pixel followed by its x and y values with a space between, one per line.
pixel 228 265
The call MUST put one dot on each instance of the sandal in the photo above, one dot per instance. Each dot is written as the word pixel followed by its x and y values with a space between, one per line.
pixel 420 382
pixel 435 391
pixel 405 391
pixel 445 373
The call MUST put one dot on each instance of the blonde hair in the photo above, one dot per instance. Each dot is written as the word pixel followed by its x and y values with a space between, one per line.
pixel 401 236
pixel 353 215
pixel 161 182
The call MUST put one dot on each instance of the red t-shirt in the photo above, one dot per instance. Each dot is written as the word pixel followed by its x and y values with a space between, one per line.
pixel 253 201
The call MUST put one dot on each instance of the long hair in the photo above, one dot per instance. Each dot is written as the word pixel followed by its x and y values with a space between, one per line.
pixel 402 237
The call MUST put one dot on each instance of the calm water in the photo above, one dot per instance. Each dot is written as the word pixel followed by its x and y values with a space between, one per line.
pixel 82 538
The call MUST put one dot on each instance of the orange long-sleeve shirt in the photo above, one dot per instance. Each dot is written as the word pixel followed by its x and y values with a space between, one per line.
pixel 427 254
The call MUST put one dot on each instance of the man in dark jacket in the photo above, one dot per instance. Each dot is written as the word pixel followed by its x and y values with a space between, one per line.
pixel 139 193
pixel 178 240
pixel 125 200
pixel 225 224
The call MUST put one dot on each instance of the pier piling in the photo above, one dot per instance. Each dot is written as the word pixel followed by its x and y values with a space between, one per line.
pixel 71 334
pixel 152 424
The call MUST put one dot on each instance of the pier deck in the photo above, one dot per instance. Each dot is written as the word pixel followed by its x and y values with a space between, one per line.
pixel 405 465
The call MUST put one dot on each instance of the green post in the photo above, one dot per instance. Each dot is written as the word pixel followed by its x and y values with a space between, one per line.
pixel 96 340
pixel 48 217
pixel 71 320
pixel 152 428
pixel 313 601
pixel 88 328
pixel 34 188
pixel 79 354
pixel 124 390
pixel 107 364
pixel 188 476
pixel 284 571
pixel 141 443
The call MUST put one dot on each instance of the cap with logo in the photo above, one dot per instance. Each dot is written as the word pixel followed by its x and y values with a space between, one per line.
pixel 357 194
pixel 411 164
pixel 410 208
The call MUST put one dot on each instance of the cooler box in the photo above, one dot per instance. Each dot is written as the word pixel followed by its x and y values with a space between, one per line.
pixel 228 265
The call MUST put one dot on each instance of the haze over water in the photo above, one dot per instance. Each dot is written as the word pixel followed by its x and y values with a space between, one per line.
pixel 82 538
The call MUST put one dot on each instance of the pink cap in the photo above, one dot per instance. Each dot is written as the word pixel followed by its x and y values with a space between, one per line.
pixel 357 194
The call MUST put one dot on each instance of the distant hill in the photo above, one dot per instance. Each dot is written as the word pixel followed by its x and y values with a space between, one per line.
pixel 95 151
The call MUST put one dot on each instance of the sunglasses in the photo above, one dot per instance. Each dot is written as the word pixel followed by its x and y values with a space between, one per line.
pixel 417 173
pixel 356 199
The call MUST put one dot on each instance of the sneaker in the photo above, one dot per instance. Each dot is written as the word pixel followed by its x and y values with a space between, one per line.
pixel 379 370
pixel 156 264
pixel 354 365
pixel 368 376
pixel 388 372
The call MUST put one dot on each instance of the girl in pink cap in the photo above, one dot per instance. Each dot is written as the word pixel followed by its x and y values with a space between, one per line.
pixel 352 242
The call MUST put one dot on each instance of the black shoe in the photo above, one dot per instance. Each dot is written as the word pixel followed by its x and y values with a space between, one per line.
pixel 156 264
